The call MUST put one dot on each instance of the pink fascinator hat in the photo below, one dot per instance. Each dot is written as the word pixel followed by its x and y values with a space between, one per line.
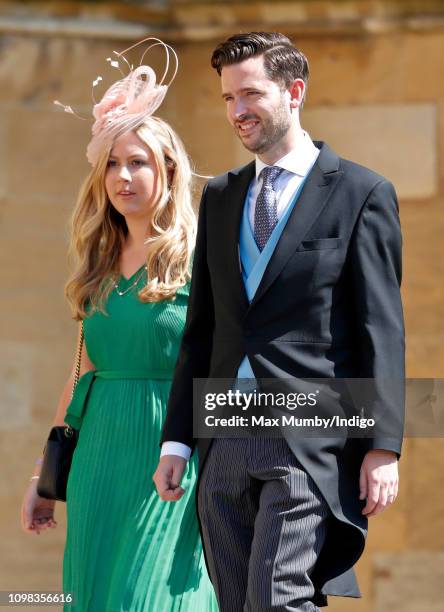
pixel 129 101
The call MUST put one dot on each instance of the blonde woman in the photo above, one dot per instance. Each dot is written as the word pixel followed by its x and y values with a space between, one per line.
pixel 133 233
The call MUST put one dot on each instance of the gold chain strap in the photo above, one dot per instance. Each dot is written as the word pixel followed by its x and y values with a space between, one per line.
pixel 68 429
pixel 78 361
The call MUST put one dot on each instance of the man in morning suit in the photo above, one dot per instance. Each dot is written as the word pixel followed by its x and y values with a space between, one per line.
pixel 296 274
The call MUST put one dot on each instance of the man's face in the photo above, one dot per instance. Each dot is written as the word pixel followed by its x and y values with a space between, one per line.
pixel 257 108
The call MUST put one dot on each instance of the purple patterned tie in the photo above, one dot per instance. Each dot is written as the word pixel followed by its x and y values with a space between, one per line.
pixel 265 214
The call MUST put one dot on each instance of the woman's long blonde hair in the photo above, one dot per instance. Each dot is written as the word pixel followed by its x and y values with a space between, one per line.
pixel 98 231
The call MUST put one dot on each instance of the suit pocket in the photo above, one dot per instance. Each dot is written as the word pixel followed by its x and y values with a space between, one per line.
pixel 320 244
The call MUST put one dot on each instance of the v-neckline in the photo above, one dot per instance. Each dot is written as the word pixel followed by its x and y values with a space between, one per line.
pixel 126 280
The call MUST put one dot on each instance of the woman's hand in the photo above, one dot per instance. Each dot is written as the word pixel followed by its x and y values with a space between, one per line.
pixel 37 512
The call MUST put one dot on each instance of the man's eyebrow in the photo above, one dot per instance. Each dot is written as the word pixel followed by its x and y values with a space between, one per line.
pixel 249 88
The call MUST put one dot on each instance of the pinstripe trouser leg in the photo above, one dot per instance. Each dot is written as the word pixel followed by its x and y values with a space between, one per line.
pixel 263 523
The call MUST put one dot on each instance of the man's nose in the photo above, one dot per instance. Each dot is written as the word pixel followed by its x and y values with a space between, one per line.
pixel 238 109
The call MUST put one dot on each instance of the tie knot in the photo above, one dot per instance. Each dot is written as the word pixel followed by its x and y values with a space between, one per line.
pixel 269 175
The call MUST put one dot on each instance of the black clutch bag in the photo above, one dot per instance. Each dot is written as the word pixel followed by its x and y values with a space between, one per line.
pixel 56 464
pixel 59 449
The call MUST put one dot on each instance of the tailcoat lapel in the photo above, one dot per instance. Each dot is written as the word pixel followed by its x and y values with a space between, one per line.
pixel 315 194
pixel 234 200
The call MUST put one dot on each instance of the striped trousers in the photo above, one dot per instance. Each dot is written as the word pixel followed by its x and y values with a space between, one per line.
pixel 263 522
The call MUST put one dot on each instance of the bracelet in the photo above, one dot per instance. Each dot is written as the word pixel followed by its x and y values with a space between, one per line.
pixel 34 478
pixel 39 461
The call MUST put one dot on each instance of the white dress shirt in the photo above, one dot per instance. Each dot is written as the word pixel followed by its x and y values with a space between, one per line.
pixel 296 165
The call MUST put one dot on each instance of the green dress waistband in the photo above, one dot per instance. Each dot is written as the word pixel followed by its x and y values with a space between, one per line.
pixel 76 408
pixel 154 374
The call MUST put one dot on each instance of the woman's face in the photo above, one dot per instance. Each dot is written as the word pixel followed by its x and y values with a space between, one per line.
pixel 131 179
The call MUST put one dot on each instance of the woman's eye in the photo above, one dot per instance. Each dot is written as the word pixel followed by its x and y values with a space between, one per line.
pixel 138 162
pixel 111 163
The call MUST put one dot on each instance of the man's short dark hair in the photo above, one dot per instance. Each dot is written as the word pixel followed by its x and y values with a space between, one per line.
pixel 283 63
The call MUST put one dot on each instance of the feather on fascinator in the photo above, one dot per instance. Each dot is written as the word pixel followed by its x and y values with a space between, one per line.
pixel 129 101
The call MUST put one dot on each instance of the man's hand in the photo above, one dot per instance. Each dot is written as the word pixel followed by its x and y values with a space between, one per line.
pixel 167 477
pixel 378 481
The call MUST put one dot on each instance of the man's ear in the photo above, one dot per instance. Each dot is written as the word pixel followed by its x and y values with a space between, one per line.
pixel 297 93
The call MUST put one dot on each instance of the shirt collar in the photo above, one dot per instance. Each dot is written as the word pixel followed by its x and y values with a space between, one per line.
pixel 298 161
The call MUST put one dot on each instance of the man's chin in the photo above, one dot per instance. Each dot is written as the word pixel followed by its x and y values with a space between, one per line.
pixel 253 146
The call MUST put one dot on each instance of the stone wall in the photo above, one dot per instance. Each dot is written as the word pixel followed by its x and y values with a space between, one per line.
pixel 375 95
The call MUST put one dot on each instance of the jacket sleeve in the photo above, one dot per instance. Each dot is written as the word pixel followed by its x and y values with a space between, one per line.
pixel 375 252
pixel 195 350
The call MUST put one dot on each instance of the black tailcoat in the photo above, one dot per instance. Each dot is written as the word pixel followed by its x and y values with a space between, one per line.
pixel 328 306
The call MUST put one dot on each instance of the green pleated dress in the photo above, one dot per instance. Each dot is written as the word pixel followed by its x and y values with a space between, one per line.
pixel 126 549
